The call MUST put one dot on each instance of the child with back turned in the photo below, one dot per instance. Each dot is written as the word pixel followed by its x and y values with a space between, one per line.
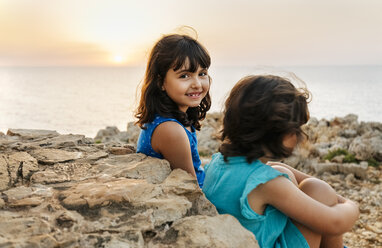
pixel 174 98
pixel 282 206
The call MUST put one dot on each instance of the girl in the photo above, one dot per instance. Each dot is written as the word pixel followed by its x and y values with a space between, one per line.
pixel 174 98
pixel 282 206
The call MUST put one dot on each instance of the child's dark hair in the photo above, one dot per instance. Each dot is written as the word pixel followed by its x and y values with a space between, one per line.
pixel 172 52
pixel 259 112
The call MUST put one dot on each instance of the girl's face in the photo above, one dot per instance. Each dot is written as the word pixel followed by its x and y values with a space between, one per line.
pixel 185 88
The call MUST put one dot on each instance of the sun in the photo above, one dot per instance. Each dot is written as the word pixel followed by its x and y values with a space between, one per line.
pixel 118 59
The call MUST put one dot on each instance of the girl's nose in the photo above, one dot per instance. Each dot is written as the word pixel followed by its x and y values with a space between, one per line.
pixel 196 83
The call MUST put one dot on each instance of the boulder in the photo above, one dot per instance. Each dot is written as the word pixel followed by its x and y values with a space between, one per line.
pixel 358 170
pixel 52 156
pixel 367 146
pixel 32 134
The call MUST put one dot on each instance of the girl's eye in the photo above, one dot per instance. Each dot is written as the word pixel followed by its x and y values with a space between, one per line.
pixel 203 74
pixel 184 76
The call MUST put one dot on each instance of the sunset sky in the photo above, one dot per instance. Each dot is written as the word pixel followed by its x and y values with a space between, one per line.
pixel 241 32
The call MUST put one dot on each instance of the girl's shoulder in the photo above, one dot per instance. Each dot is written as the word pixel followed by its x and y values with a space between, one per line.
pixel 238 166
pixel 160 119
pixel 171 123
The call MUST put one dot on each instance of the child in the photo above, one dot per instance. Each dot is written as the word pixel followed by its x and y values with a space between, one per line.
pixel 282 206
pixel 174 98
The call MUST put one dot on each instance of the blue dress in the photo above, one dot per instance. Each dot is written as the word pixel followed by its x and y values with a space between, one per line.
pixel 144 145
pixel 227 185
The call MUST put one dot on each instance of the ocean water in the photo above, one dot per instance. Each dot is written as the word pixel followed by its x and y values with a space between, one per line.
pixel 83 100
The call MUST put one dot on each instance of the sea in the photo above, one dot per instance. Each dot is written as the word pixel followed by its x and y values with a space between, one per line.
pixel 83 100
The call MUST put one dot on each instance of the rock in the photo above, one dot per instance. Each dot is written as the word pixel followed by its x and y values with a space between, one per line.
pixel 32 134
pixel 22 231
pixel 52 156
pixel 83 194
pixel 367 146
pixel 141 169
pixel 121 150
pixel 49 176
pixel 62 141
pixel 8 141
pixel 313 122
pixel 348 133
pixel 4 176
pixel 21 166
pixel 103 191
pixel 338 159
pixel 95 156
pixel 208 136
pixel 133 132
pixel 112 134
pixel 204 231
pixel 358 170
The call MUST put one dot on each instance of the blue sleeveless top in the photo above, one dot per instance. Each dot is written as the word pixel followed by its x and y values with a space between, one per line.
pixel 144 144
pixel 227 186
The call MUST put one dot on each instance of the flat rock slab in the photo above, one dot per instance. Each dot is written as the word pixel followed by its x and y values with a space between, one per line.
pixel 28 134
pixel 128 167
pixel 210 232
pixel 359 170
pixel 61 141
pixel 102 191
pixel 52 156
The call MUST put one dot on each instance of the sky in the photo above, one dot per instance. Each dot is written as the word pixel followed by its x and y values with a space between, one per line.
pixel 240 32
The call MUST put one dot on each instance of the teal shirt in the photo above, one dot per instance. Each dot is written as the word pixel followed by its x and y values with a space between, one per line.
pixel 227 185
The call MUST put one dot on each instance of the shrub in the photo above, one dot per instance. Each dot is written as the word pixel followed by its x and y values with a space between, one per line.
pixel 373 162
pixel 335 153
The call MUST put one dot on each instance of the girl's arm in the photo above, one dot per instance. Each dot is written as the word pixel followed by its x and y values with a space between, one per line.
pixel 286 197
pixel 297 174
pixel 170 139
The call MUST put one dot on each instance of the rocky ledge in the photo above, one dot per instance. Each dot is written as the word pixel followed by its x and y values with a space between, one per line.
pixel 72 191
pixel 67 191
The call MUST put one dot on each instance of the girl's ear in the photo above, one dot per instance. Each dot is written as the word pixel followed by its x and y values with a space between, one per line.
pixel 160 84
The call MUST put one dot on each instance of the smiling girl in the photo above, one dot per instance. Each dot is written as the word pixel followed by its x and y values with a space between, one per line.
pixel 174 98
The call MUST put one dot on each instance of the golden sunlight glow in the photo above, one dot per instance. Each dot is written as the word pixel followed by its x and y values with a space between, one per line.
pixel 118 59
pixel 120 32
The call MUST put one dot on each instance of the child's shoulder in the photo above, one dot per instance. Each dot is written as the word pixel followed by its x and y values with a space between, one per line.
pixel 170 128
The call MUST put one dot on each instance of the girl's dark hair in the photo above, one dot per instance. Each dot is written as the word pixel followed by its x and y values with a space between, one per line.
pixel 259 112
pixel 171 52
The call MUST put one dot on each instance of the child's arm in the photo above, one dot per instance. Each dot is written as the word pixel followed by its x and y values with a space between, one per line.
pixel 286 197
pixel 297 174
pixel 170 140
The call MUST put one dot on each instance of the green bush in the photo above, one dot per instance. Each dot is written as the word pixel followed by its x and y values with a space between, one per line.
pixel 349 158
pixel 335 153
pixel 373 162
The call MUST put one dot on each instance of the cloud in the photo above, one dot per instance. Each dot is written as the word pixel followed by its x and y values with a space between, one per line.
pixel 53 54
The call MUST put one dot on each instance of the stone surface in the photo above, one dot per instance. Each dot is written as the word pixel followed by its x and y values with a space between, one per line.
pixel 210 232
pixel 358 170
pixel 65 191
pixel 74 192
pixel 4 175
pixel 29 134
pixel 52 156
